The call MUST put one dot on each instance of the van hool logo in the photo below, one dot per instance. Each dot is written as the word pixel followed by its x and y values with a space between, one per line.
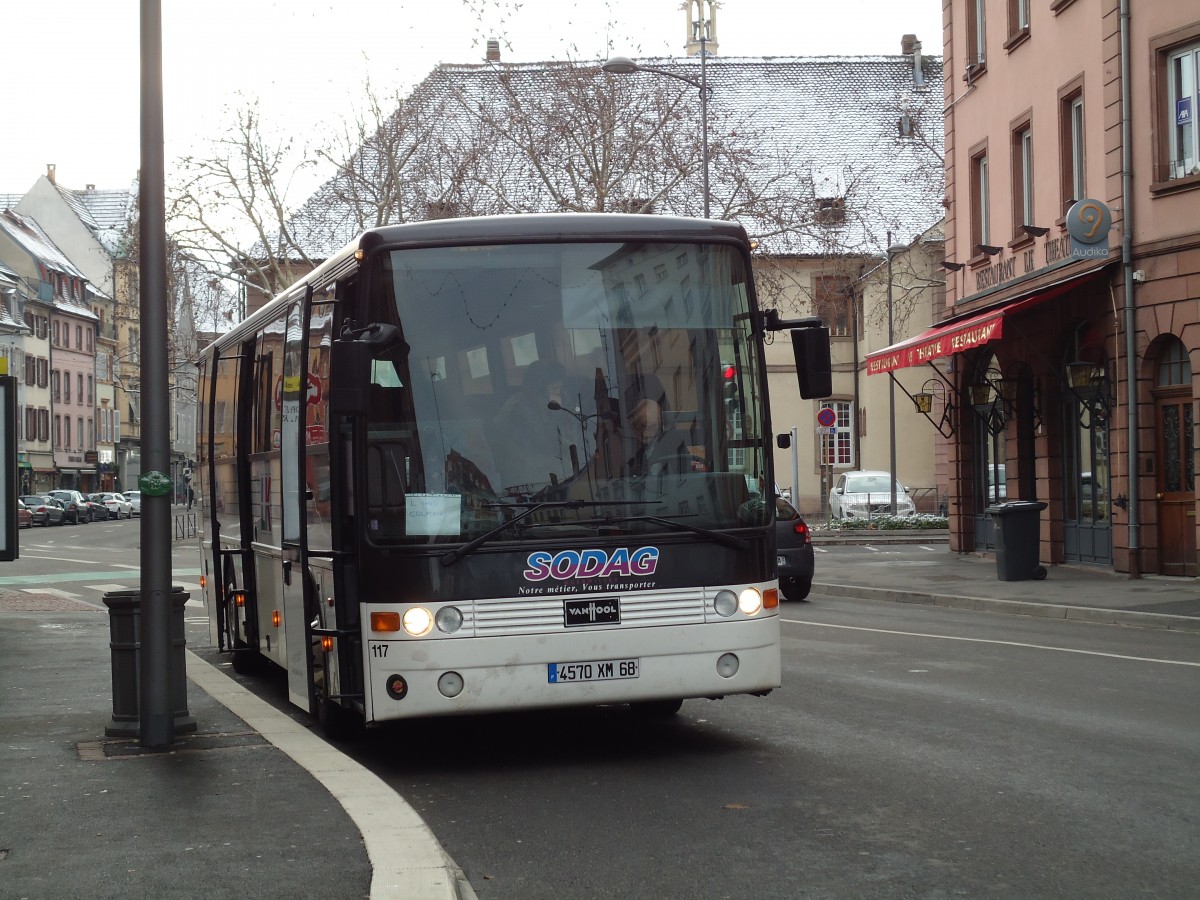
pixel 599 611
pixel 567 565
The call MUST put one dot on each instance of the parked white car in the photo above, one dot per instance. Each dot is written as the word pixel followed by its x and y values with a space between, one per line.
pixel 116 504
pixel 864 494
pixel 135 501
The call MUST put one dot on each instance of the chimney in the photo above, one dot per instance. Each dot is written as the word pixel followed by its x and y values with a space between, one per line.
pixel 918 66
pixel 493 50
pixel 50 172
pixel 906 44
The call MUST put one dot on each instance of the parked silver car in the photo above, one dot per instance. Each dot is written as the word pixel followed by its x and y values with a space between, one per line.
pixel 863 494
pixel 75 504
pixel 135 501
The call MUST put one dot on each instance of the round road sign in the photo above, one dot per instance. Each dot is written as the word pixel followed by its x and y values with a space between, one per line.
pixel 826 417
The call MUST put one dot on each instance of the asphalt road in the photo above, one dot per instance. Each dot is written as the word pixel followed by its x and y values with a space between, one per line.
pixel 912 752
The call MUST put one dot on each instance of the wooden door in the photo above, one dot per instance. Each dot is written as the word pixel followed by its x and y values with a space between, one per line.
pixel 1176 494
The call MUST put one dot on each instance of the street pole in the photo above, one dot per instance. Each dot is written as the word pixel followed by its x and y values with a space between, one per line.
pixel 156 725
pixel 623 65
pixel 891 380
pixel 795 467
pixel 704 111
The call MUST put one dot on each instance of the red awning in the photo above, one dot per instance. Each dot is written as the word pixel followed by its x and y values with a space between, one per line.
pixel 954 337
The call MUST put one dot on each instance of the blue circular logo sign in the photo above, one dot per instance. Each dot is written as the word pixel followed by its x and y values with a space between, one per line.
pixel 826 417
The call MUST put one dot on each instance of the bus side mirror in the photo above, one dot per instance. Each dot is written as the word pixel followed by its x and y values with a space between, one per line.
pixel 814 372
pixel 349 377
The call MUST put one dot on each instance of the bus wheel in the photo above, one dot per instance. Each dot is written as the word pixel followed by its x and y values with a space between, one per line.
pixel 338 723
pixel 247 661
pixel 656 709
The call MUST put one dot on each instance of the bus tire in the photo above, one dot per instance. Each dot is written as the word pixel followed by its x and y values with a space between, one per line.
pixel 247 661
pixel 656 709
pixel 338 723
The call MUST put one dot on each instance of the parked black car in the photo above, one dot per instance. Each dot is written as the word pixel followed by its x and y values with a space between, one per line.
pixel 793 552
pixel 97 511
pixel 75 504
pixel 45 510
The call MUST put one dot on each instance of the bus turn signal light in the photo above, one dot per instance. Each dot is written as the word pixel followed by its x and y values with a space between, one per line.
pixel 385 621
pixel 770 598
pixel 327 643
pixel 276 618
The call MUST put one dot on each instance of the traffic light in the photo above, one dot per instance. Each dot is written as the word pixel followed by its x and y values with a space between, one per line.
pixel 729 376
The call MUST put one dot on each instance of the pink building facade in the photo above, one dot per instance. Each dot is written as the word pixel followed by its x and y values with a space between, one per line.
pixel 1071 340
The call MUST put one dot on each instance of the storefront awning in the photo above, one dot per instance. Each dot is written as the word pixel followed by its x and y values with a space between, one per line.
pixel 953 337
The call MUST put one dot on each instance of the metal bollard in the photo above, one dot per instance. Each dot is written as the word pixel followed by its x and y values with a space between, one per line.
pixel 124 628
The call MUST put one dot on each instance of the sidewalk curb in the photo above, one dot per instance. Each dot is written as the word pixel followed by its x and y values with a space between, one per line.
pixel 1018 607
pixel 406 858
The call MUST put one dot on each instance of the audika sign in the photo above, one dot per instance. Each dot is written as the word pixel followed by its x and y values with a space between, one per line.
pixel 1088 224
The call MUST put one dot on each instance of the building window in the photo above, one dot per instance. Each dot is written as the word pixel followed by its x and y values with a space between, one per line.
pixel 838 449
pixel 66 386
pixel 90 402
pixel 1073 181
pixel 79 431
pixel 831 211
pixel 57 432
pixel 1018 18
pixel 43 430
pixel 1183 74
pixel 56 385
pixel 1022 177
pixel 833 298
pixel 55 341
pixel 976 37
pixel 79 387
pixel 78 337
pixel 980 204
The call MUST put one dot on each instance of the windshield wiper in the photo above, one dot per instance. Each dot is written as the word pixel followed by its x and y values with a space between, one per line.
pixel 719 537
pixel 449 559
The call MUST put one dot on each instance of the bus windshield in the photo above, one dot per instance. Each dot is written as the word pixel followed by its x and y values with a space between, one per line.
pixel 589 388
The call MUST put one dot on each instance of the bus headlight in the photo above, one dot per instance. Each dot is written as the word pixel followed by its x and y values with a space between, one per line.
pixel 448 619
pixel 417 621
pixel 725 603
pixel 750 601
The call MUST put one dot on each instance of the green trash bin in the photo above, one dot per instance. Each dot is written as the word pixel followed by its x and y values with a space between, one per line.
pixel 1018 536
pixel 124 641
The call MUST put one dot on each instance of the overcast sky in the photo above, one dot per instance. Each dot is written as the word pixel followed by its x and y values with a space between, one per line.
pixel 70 91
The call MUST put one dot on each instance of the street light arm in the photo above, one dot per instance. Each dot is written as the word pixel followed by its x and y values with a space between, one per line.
pixel 623 65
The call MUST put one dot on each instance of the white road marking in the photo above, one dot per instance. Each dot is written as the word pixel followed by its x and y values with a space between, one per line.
pixel 948 637
pixel 54 592
pixel 105 588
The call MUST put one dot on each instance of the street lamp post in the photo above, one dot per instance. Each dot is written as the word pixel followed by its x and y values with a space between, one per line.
pixel 623 65
pixel 891 339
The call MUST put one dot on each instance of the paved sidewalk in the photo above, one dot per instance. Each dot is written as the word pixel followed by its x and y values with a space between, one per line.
pixel 970 581
pixel 251 804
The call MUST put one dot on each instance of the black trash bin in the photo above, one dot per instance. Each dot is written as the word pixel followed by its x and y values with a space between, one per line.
pixel 1018 534
pixel 124 641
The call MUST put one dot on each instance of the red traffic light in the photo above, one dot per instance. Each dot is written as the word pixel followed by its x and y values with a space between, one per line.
pixel 729 371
